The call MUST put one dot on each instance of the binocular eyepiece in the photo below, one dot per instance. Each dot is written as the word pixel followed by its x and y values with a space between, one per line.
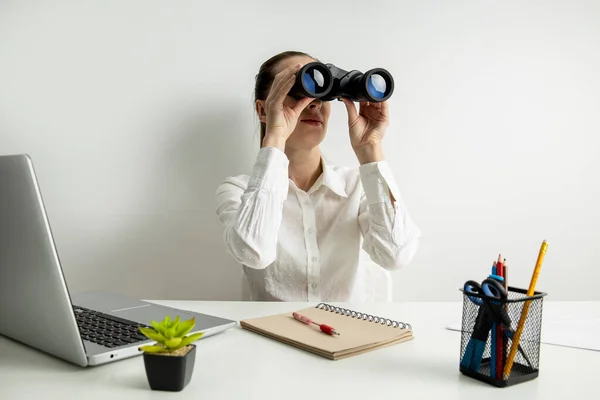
pixel 328 82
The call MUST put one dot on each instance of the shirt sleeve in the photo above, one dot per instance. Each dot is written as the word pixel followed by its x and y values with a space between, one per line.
pixel 390 236
pixel 251 215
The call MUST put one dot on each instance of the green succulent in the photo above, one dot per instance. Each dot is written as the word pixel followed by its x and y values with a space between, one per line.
pixel 169 335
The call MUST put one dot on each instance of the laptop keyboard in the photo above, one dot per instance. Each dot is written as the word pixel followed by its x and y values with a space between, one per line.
pixel 107 330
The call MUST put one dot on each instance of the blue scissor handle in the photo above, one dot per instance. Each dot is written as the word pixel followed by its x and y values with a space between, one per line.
pixel 472 287
pixel 493 288
pixel 489 288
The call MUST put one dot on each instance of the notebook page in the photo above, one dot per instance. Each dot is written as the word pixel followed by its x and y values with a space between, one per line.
pixel 354 332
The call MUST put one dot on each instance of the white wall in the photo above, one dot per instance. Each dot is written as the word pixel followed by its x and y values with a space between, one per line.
pixel 134 110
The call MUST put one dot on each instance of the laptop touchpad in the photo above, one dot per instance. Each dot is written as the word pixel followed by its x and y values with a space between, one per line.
pixel 151 312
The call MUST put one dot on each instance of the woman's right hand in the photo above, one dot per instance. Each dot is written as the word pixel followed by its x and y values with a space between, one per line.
pixel 281 119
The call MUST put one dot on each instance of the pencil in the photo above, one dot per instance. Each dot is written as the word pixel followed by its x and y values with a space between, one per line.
pixel 499 265
pixel 505 274
pixel 530 292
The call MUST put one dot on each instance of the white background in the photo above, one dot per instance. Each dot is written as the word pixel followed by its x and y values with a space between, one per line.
pixel 135 110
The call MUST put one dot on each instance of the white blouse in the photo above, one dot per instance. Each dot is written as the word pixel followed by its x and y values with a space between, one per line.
pixel 305 246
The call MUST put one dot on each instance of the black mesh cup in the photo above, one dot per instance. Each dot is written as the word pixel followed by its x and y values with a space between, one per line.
pixel 487 345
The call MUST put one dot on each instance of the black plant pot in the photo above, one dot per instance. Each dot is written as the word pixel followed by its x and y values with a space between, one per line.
pixel 170 373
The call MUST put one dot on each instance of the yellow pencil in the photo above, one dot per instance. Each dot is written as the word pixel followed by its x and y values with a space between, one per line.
pixel 530 292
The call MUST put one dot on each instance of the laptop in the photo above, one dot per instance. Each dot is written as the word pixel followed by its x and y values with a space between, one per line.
pixel 36 307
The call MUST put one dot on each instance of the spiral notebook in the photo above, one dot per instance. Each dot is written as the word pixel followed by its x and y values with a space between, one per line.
pixel 359 332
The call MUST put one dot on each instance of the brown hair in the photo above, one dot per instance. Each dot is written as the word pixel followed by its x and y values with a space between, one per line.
pixel 265 77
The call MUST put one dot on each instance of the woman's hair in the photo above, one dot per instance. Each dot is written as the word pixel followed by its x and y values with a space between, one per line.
pixel 265 77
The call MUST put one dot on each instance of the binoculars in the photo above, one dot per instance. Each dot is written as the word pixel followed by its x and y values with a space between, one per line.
pixel 328 82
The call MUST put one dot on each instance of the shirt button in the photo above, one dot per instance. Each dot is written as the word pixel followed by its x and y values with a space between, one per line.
pixel 309 231
pixel 313 285
pixel 314 259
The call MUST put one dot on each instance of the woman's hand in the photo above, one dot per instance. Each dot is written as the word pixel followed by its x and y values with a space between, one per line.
pixel 367 129
pixel 281 119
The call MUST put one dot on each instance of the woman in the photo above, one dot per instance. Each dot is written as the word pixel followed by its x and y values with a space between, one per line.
pixel 297 223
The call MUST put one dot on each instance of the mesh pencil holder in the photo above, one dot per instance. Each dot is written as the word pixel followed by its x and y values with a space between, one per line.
pixel 486 354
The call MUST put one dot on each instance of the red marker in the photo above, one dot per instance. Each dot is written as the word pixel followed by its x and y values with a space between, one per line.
pixel 325 328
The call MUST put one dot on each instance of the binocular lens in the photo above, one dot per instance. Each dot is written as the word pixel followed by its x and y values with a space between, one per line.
pixel 376 85
pixel 313 80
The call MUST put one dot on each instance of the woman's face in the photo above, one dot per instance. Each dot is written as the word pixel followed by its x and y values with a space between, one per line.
pixel 312 122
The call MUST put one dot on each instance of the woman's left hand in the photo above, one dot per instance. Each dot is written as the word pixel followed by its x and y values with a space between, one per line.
pixel 367 128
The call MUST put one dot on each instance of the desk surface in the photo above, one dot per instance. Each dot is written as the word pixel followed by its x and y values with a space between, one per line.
pixel 239 364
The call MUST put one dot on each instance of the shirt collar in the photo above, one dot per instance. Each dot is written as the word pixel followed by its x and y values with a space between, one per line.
pixel 331 179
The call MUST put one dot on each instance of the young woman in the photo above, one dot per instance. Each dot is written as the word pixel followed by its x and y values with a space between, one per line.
pixel 297 224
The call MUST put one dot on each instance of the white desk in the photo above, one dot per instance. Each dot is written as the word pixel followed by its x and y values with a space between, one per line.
pixel 242 365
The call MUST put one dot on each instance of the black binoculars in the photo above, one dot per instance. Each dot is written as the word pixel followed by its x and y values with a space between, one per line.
pixel 328 82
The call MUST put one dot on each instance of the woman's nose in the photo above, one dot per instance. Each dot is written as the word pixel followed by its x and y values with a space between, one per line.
pixel 316 103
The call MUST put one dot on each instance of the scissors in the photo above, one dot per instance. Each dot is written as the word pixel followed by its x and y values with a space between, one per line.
pixel 480 294
pixel 490 296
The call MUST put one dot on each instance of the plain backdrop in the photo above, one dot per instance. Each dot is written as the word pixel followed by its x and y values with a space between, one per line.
pixel 133 112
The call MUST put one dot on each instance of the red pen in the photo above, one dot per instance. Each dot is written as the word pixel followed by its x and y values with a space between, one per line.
pixel 325 328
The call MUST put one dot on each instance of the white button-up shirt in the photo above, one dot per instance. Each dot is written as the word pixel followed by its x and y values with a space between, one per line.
pixel 298 245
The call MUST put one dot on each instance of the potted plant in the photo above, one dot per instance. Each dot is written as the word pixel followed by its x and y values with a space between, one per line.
pixel 170 361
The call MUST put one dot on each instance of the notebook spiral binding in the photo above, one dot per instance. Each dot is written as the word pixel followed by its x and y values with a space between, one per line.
pixel 363 316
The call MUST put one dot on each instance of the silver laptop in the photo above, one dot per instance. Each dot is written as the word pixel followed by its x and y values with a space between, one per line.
pixel 36 307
